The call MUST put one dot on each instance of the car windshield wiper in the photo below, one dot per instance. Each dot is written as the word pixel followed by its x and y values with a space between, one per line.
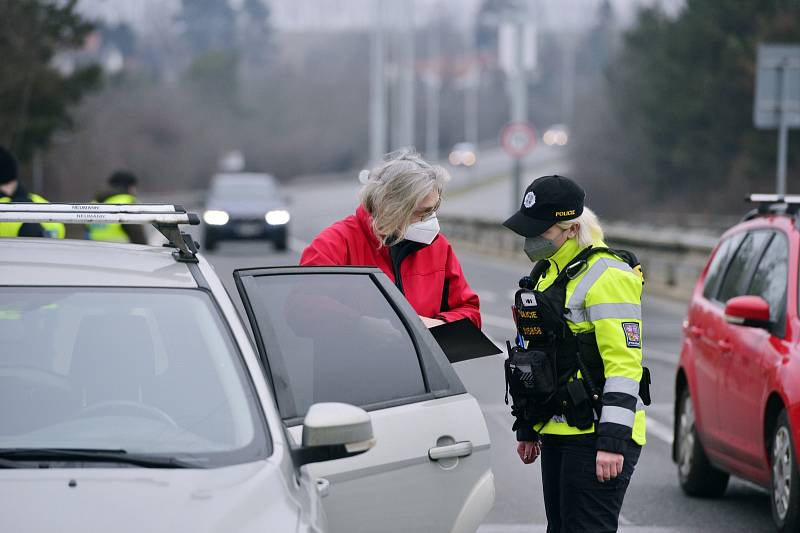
pixel 90 455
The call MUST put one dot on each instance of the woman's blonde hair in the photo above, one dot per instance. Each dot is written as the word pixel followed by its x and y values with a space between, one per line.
pixel 394 189
pixel 589 230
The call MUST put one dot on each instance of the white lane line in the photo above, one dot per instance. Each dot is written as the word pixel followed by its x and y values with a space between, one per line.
pixel 659 430
pixel 542 528
pixel 498 321
pixel 512 528
pixel 660 355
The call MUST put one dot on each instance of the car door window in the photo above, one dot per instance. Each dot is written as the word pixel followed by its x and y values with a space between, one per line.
pixel 333 338
pixel 741 266
pixel 717 267
pixel 770 276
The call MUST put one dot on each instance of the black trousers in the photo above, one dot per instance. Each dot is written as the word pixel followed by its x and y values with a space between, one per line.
pixel 575 502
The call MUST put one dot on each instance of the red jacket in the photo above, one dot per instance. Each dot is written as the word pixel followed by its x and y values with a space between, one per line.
pixel 424 273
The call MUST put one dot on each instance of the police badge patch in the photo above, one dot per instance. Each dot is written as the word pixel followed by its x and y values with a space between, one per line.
pixel 529 200
pixel 632 337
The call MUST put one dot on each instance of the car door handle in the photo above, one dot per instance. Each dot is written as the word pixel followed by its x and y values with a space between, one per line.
pixel 695 331
pixel 724 346
pixel 459 449
pixel 323 486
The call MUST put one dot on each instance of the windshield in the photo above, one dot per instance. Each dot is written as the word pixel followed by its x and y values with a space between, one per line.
pixel 244 191
pixel 148 371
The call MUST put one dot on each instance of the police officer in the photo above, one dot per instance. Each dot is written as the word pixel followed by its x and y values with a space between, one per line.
pixel 122 190
pixel 597 293
pixel 11 190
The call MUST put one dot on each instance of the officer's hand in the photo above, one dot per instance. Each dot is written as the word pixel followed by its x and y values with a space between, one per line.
pixel 609 465
pixel 431 322
pixel 379 328
pixel 529 451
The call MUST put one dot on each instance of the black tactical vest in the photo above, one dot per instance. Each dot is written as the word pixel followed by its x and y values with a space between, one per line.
pixel 567 353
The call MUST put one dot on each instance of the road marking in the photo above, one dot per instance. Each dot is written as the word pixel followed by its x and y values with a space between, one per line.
pixel 498 322
pixel 660 356
pixel 542 528
pixel 659 430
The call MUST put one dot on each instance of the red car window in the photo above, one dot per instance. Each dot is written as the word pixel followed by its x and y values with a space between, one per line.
pixel 770 276
pixel 742 265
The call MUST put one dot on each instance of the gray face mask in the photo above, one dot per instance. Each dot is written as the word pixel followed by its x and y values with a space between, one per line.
pixel 537 248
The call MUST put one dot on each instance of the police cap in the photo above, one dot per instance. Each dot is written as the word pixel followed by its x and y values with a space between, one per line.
pixel 547 200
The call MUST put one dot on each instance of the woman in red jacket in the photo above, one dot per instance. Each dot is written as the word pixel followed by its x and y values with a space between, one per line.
pixel 395 228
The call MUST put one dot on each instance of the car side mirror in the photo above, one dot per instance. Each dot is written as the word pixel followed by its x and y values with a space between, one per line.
pixel 334 431
pixel 752 311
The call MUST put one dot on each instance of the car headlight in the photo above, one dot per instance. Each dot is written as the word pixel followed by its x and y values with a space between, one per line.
pixel 214 217
pixel 278 217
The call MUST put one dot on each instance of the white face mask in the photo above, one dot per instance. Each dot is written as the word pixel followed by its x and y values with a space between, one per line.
pixel 424 231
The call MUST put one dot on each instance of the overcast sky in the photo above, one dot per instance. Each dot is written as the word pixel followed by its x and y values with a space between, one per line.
pixel 344 14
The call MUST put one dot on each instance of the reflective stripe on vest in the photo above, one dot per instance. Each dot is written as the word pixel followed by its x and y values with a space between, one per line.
pixel 576 307
pixel 111 232
pixel 53 230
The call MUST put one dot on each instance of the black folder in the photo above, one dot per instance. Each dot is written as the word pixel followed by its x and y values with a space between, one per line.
pixel 462 341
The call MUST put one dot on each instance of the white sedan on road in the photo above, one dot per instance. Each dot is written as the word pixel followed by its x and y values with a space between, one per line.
pixel 134 398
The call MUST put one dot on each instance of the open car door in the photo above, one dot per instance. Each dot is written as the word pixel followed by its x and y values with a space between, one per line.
pixel 347 334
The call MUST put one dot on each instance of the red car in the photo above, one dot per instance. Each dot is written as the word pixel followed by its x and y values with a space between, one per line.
pixel 737 388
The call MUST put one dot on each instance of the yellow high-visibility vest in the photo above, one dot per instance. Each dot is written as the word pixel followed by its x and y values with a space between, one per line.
pixel 54 230
pixel 604 298
pixel 111 232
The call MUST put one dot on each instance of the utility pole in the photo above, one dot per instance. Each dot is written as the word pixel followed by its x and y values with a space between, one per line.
pixel 471 88
pixel 406 96
pixel 783 128
pixel 568 78
pixel 433 85
pixel 377 101
pixel 519 101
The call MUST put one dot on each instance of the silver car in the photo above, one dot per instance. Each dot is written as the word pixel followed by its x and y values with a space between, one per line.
pixel 134 398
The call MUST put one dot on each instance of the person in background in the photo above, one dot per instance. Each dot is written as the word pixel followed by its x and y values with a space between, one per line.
pixel 122 190
pixel 395 228
pixel 11 190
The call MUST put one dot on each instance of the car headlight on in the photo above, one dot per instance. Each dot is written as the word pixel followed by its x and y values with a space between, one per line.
pixel 214 217
pixel 278 217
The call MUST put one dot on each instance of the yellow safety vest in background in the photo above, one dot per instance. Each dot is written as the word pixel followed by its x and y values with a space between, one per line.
pixel 605 298
pixel 111 232
pixel 53 230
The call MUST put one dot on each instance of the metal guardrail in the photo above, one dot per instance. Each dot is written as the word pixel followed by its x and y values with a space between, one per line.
pixel 672 259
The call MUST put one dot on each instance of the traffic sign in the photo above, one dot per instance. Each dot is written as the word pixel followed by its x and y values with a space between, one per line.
pixel 777 86
pixel 518 139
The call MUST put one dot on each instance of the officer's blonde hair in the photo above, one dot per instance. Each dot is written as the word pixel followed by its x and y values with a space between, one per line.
pixel 589 230
pixel 394 189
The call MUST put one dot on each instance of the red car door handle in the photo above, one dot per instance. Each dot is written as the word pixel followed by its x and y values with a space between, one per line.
pixel 695 331
pixel 724 346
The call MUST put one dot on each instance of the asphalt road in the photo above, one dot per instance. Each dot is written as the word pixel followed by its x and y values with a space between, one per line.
pixel 654 502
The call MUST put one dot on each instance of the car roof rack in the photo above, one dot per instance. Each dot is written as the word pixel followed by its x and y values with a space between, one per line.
pixel 772 204
pixel 164 217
